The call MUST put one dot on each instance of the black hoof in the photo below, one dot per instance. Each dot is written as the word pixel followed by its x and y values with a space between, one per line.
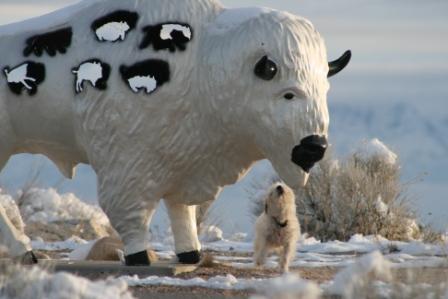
pixel 29 258
pixel 192 257
pixel 137 259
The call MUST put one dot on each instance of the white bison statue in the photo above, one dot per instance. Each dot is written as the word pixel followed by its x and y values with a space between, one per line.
pixel 228 87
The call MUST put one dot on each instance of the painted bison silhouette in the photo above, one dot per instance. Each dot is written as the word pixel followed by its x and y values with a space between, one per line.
pixel 222 88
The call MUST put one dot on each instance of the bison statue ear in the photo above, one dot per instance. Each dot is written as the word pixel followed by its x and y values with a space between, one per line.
pixel 339 64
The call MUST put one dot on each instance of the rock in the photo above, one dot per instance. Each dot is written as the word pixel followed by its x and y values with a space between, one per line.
pixel 62 230
pixel 108 248
pixel 211 234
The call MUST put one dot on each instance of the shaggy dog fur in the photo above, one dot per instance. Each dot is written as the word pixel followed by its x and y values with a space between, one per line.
pixel 277 229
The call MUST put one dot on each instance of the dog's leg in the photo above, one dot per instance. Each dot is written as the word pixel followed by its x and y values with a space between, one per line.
pixel 260 251
pixel 183 225
pixel 287 254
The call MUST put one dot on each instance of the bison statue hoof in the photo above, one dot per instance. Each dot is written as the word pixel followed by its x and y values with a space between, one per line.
pixel 192 257
pixel 28 258
pixel 138 259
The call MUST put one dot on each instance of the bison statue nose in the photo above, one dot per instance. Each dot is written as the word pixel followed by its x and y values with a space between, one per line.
pixel 310 150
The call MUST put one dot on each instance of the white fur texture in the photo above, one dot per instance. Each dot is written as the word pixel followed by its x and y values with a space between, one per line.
pixel 201 131
pixel 270 236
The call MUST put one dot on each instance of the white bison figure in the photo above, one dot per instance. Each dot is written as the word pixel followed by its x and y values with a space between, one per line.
pixel 112 31
pixel 250 85
pixel 19 75
pixel 90 71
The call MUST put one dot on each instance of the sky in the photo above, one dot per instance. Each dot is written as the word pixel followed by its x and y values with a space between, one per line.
pixel 395 88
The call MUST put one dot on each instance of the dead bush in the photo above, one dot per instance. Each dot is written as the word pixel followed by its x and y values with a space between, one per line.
pixel 360 195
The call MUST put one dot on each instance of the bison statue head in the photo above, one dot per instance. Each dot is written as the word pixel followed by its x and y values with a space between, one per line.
pixel 269 72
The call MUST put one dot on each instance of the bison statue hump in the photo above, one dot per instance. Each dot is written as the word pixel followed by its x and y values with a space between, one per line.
pixel 182 98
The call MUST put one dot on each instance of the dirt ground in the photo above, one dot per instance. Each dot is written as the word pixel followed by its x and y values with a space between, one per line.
pixel 318 275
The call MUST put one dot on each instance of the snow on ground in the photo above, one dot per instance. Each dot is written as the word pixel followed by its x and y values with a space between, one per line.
pixel 47 205
pixel 357 258
pixel 228 282
pixel 288 286
pixel 374 148
pixel 357 275
pixel 70 244
pixel 310 252
pixel 29 283
pixel 366 274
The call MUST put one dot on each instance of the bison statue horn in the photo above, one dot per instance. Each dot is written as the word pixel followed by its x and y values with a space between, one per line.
pixel 339 64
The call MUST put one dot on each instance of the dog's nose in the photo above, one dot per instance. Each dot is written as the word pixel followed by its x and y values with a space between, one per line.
pixel 280 190
pixel 310 150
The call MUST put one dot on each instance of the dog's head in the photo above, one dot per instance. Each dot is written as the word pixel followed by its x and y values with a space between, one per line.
pixel 280 200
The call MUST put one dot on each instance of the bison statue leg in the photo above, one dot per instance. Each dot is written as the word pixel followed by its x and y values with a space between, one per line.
pixel 183 225
pixel 129 211
pixel 18 244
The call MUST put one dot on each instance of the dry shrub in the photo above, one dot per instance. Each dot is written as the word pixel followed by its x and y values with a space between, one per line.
pixel 357 196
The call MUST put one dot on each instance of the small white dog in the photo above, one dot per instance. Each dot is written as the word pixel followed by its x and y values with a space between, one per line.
pixel 277 229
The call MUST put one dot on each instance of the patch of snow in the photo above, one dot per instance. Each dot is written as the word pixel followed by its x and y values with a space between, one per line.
pixel 29 283
pixel 228 282
pixel 289 286
pixel 314 260
pixel 47 205
pixel 211 234
pixel 357 275
pixel 232 246
pixel 70 244
pixel 381 207
pixel 418 248
pixel 80 253
pixel 374 148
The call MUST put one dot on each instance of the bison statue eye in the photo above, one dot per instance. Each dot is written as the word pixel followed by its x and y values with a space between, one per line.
pixel 265 69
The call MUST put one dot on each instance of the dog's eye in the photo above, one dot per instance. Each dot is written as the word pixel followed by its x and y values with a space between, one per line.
pixel 265 69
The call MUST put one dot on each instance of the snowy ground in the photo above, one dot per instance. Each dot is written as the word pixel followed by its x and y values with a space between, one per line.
pixel 319 268
pixel 336 265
